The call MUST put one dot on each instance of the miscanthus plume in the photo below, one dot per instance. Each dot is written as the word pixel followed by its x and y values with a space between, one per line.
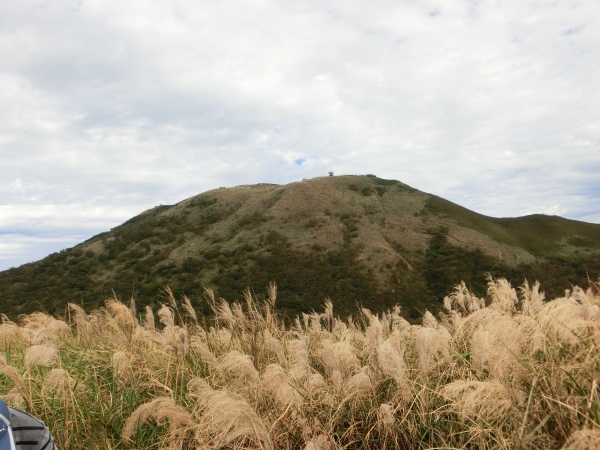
pixel 510 370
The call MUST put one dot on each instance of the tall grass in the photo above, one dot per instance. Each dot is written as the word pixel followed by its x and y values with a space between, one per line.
pixel 509 371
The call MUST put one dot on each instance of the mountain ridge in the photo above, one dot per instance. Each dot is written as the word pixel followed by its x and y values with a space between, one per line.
pixel 358 239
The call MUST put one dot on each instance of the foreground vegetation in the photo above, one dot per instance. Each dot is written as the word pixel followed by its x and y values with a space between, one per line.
pixel 508 371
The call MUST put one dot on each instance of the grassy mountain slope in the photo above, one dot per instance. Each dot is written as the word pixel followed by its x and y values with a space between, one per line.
pixel 357 239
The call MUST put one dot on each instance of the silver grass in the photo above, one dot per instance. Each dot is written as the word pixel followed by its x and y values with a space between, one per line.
pixel 430 342
pixel 298 351
pixel 132 309
pixel 121 366
pixel 223 418
pixel 338 356
pixel 272 293
pixel 239 367
pixel 225 314
pixel 386 415
pixel 532 299
pixel 12 373
pixel 5 319
pixel 503 297
pixel 320 442
pixel 488 399
pixel 175 338
pixel 9 334
pixel 279 384
pixel 274 346
pixel 166 316
pixel 41 355
pixel 463 301
pixel 14 399
pixel 81 320
pixel 568 319
pixel 391 360
pixel 121 315
pixel 207 356
pixel 374 337
pixel 59 328
pixel 43 336
pixel 360 385
pixel 189 309
pixel 58 381
pixel 586 439
pixel 149 323
pixel 161 410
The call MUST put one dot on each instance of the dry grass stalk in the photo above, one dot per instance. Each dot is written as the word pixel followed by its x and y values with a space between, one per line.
pixel 340 356
pixel 189 309
pixel 121 314
pixel 320 442
pixel 275 346
pixel 387 415
pixel 12 373
pixel 333 384
pixel 161 410
pixel 503 296
pixel 58 381
pixel 239 368
pixel 60 328
pixel 175 338
pixel 224 419
pixel 279 384
pixel 166 316
pixel 15 399
pixel 121 366
pixel 431 341
pixel 81 320
pixel 463 301
pixel 9 335
pixel 489 399
pixel 149 323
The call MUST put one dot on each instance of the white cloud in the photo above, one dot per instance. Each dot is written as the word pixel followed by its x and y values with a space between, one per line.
pixel 17 249
pixel 111 107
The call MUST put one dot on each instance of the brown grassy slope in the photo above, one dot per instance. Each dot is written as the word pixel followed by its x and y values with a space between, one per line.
pixel 387 215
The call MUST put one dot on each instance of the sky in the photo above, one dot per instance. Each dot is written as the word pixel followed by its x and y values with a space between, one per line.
pixel 111 107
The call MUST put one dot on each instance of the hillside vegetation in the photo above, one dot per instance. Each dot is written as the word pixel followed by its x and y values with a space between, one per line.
pixel 359 240
pixel 503 372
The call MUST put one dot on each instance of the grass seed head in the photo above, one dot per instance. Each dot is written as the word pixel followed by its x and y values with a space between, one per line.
pixel 149 323
pixel 587 439
pixel 166 316
pixel 58 380
pixel 222 418
pixel 281 387
pixel 487 399
pixel 9 334
pixel 386 415
pixel 503 296
pixel 12 373
pixel 161 410
pixel 121 366
pixel 41 355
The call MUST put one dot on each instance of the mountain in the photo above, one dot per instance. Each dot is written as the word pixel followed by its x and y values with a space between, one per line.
pixel 359 240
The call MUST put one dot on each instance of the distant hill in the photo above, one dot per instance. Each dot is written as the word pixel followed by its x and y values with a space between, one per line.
pixel 355 239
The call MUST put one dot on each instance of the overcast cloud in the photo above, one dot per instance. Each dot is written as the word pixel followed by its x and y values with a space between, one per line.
pixel 108 108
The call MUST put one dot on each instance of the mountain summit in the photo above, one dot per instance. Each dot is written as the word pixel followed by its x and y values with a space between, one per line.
pixel 355 239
